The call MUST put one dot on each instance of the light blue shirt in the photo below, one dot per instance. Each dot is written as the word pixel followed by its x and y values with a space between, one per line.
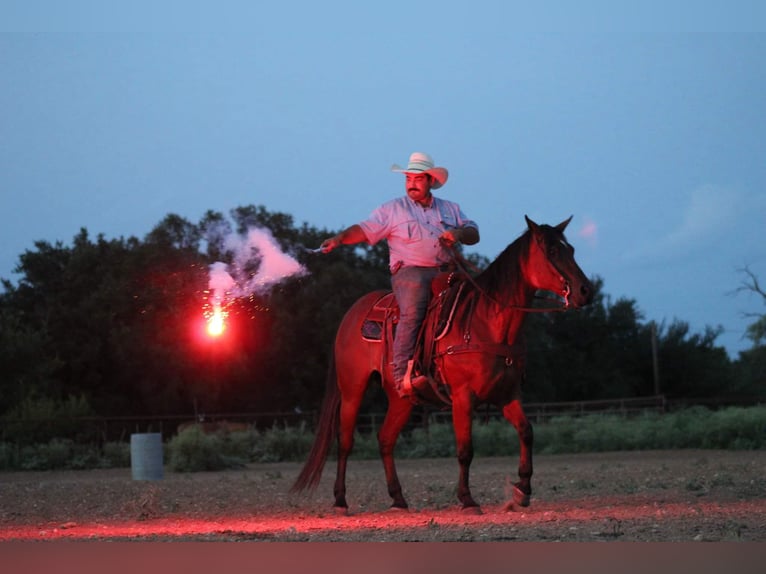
pixel 413 231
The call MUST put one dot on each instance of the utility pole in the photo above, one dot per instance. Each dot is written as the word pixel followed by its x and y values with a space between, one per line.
pixel 655 364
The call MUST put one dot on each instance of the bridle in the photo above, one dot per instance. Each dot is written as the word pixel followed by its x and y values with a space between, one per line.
pixel 463 266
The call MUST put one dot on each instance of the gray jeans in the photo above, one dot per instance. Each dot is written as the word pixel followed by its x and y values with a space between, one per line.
pixel 412 289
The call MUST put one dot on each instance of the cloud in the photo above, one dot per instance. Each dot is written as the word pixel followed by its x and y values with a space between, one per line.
pixel 709 213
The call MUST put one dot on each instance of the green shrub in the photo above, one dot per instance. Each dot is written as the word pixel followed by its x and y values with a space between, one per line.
pixel 192 450
pixel 495 438
pixel 556 436
pixel 646 433
pixel 53 455
pixel 9 456
pixel 435 441
pixel 365 446
pixel 84 457
pixel 735 428
pixel 115 455
pixel 281 444
pixel 39 420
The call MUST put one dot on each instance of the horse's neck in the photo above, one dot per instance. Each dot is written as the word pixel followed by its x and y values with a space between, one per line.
pixel 504 314
pixel 505 292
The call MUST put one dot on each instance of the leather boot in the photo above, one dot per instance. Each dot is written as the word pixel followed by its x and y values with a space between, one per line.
pixel 409 383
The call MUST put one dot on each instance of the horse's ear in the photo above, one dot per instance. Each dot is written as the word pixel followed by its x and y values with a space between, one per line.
pixel 563 225
pixel 533 227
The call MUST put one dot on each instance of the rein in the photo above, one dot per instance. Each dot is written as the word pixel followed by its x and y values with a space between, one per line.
pixel 463 265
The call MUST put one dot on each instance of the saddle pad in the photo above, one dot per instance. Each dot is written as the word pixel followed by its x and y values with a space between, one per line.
pixel 372 326
pixel 382 307
pixel 372 330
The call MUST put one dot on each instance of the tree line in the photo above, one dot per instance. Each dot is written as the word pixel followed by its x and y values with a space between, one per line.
pixel 116 326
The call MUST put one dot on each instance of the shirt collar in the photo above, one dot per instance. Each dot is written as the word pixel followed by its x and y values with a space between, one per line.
pixel 416 204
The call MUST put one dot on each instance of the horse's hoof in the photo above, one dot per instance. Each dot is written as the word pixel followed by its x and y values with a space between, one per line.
pixel 519 497
pixel 340 510
pixel 471 510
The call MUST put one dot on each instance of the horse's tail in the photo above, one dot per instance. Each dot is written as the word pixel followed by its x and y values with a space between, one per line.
pixel 326 432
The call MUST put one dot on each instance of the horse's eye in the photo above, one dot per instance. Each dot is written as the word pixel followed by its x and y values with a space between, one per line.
pixel 553 251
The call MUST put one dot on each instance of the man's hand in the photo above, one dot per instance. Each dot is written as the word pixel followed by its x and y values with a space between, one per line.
pixel 330 243
pixel 348 236
pixel 450 237
pixel 464 235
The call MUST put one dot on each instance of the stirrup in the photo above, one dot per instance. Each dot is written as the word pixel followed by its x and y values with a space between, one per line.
pixel 409 384
pixel 403 389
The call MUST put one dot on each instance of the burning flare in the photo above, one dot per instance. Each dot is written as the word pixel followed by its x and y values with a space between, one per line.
pixel 215 324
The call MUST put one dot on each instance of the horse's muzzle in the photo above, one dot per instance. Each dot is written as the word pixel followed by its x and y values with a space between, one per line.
pixel 581 295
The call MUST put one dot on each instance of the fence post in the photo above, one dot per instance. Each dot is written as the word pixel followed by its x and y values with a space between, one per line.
pixel 655 363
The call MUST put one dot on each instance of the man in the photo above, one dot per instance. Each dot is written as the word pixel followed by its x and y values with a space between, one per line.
pixel 419 229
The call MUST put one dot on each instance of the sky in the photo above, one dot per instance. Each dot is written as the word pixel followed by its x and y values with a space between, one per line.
pixel 645 121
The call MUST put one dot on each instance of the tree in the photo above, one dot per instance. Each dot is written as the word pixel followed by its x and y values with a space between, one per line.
pixel 25 372
pixel 597 352
pixel 604 351
pixel 751 366
pixel 104 314
pixel 175 231
pixel 215 228
pixel 690 363
pixel 756 331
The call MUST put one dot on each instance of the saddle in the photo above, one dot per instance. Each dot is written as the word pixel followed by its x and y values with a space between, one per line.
pixel 380 325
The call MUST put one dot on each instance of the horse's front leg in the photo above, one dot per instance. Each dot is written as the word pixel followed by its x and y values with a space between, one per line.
pixel 462 422
pixel 522 490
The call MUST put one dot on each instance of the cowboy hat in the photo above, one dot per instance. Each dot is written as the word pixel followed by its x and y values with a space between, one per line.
pixel 422 163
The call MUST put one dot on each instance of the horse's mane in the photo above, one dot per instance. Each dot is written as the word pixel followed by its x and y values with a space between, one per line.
pixel 505 270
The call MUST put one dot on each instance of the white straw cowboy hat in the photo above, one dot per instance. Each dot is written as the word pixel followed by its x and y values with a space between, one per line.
pixel 422 163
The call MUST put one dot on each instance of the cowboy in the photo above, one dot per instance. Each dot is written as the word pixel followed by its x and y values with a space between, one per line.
pixel 420 230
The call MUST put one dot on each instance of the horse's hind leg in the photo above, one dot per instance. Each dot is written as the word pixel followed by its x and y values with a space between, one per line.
pixel 522 490
pixel 396 417
pixel 349 411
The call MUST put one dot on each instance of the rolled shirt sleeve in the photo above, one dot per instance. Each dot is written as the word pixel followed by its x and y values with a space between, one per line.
pixel 413 231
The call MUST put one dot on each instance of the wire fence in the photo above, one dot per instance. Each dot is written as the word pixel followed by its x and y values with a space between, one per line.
pixel 118 429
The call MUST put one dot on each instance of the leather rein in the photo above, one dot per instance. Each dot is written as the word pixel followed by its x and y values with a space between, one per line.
pixel 463 265
pixel 508 351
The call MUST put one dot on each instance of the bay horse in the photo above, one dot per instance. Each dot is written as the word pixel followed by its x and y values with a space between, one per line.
pixel 479 360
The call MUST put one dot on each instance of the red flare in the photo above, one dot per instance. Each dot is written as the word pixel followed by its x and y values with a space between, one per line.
pixel 216 324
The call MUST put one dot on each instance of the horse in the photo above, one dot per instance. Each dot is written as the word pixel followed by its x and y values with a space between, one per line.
pixel 478 360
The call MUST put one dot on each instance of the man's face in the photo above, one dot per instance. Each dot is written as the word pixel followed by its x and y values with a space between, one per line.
pixel 418 187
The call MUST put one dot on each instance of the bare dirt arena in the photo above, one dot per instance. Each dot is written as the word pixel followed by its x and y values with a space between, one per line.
pixel 685 495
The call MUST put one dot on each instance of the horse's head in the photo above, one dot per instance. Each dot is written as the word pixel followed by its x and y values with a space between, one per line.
pixel 551 265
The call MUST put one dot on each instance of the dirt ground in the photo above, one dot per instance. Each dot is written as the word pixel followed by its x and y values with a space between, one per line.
pixel 686 495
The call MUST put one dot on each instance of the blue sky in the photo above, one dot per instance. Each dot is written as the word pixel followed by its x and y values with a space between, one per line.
pixel 645 122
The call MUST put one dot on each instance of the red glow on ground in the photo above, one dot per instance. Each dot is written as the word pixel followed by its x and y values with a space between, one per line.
pixel 599 519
